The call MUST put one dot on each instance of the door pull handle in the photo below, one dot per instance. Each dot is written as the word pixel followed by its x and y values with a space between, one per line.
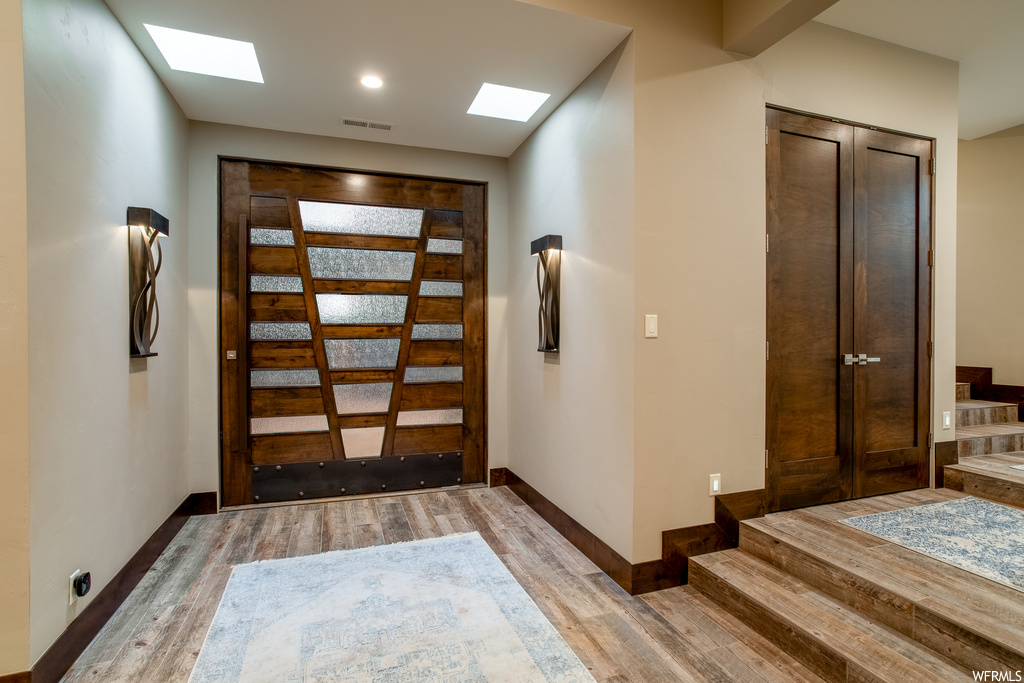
pixel 862 359
pixel 847 359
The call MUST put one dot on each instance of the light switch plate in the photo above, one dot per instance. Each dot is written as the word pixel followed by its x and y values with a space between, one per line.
pixel 715 486
pixel 650 326
pixel 945 419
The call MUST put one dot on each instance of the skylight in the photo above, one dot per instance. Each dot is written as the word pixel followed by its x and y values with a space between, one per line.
pixel 503 102
pixel 209 55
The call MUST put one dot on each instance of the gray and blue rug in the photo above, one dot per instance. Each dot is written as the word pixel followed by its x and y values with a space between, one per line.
pixel 977 535
pixel 442 609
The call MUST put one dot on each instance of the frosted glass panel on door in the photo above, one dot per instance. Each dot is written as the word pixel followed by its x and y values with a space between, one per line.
pixel 275 283
pixel 361 264
pixel 279 331
pixel 271 238
pixel 437 331
pixel 438 246
pixel 343 354
pixel 440 288
pixel 447 373
pixel 450 416
pixel 284 378
pixel 362 398
pixel 364 442
pixel 355 219
pixel 292 423
pixel 361 309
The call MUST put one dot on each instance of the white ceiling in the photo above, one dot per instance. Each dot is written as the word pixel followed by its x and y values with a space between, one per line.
pixel 985 36
pixel 433 55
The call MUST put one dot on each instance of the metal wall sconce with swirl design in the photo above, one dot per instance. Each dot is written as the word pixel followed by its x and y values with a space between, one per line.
pixel 144 261
pixel 549 267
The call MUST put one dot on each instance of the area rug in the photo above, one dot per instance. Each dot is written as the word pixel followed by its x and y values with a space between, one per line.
pixel 442 609
pixel 977 535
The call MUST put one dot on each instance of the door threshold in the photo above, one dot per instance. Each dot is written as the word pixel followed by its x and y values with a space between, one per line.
pixel 362 496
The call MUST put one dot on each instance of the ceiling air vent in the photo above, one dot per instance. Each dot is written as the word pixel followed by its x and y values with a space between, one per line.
pixel 376 125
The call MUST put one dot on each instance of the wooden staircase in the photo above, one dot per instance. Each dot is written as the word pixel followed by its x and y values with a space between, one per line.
pixel 850 606
pixel 990 442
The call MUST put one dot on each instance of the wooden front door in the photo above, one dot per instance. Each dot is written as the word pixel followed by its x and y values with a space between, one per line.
pixel 352 332
pixel 849 224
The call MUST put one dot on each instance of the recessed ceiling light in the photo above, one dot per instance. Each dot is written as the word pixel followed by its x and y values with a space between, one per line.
pixel 502 102
pixel 209 55
pixel 371 82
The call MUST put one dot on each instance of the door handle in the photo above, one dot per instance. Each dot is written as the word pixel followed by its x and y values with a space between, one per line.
pixel 862 359
pixel 847 359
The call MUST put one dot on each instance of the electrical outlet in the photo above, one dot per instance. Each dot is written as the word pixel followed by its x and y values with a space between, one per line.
pixel 72 596
pixel 716 485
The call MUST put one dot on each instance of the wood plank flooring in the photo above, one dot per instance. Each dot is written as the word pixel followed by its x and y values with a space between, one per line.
pixel 672 635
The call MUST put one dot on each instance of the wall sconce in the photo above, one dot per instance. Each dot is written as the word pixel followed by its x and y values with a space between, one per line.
pixel 549 266
pixel 144 226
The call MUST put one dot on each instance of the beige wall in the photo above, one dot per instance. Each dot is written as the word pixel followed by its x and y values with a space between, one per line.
pixel 108 435
pixel 572 413
pixel 990 245
pixel 14 382
pixel 210 140
pixel 700 221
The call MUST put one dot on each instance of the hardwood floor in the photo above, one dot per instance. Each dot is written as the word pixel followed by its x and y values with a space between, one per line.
pixel 673 635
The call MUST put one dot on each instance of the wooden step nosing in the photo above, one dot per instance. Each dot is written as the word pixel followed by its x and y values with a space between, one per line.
pixel 798 644
pixel 838 638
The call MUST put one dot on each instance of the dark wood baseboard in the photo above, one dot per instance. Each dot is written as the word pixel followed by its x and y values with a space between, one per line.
pixel 677 544
pixel 945 454
pixel 596 550
pixel 56 661
pixel 21 677
pixel 499 475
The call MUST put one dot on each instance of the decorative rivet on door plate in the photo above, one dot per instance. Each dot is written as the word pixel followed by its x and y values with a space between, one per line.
pixel 423 483
pixel 362 464
pixel 256 497
pixel 255 469
pixel 278 468
pixel 459 480
pixel 343 490
pixel 383 487
pixel 402 459
pixel 321 464
pixel 440 456
pixel 301 494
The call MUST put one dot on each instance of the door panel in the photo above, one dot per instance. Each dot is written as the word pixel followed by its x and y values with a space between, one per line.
pixel 893 230
pixel 848 229
pixel 333 302
pixel 809 220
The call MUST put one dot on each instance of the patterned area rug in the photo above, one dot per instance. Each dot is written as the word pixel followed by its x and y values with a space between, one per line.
pixel 977 535
pixel 442 609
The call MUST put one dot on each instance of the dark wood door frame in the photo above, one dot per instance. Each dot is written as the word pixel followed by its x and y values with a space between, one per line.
pixel 464 200
pixel 847 159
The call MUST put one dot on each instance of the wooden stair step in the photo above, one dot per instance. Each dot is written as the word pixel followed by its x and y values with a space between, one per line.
pixel 974 622
pixel 989 476
pixel 824 634
pixel 969 413
pixel 986 439
pixel 963 391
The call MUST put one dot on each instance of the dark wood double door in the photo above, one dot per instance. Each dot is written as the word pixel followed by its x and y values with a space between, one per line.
pixel 848 311
pixel 352 332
